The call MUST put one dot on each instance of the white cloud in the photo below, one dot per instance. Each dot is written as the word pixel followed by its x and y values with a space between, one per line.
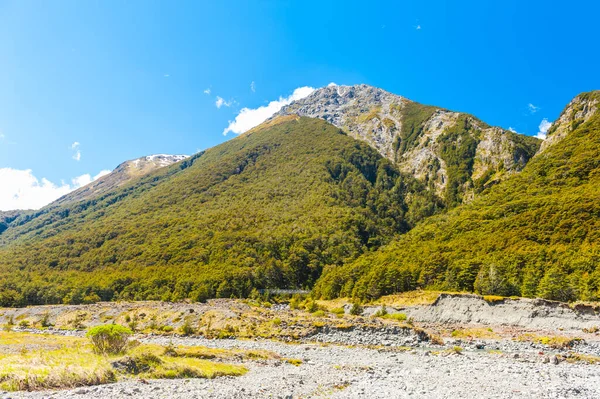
pixel 332 84
pixel 166 75
pixel 86 179
pixel 222 103
pixel 207 91
pixel 253 87
pixel 75 147
pixel 418 27
pixel 510 129
pixel 22 190
pixel 249 118
pixel 532 108
pixel 544 126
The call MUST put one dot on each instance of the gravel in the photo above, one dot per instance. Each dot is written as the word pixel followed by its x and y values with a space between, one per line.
pixel 336 371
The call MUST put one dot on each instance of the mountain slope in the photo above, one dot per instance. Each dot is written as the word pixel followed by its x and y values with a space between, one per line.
pixel 535 234
pixel 454 153
pixel 270 208
pixel 122 174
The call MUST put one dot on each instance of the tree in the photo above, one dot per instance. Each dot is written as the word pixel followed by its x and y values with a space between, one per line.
pixel 556 286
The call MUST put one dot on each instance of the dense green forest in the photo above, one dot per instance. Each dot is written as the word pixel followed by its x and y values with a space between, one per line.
pixel 536 234
pixel 270 208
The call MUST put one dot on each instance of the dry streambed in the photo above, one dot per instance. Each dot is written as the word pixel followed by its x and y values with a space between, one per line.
pixel 453 351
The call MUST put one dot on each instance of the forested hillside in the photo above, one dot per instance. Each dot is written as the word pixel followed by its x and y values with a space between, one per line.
pixel 536 234
pixel 271 208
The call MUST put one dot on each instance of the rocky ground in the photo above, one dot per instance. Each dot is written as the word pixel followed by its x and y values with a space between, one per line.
pixel 335 371
pixel 386 360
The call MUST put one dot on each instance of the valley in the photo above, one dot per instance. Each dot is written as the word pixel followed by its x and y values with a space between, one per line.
pixel 432 255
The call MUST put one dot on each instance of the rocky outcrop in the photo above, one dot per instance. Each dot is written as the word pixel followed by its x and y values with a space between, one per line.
pixel 454 153
pixel 579 110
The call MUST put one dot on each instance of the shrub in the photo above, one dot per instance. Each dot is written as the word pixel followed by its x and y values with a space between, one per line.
pixel 109 338
pixel 187 329
pixel 356 309
pixel 382 312
pixel 319 313
pixel 45 320
pixel 312 307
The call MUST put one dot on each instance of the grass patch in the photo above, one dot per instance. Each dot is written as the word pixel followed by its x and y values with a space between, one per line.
pixel 410 298
pixel 555 342
pixel 295 362
pixel 483 333
pixel 30 362
pixel 573 357
pixel 395 316
pixel 492 299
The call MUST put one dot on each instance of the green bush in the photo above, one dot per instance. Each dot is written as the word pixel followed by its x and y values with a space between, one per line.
pixel 109 338
pixel 356 309
pixel 187 328
pixel 312 307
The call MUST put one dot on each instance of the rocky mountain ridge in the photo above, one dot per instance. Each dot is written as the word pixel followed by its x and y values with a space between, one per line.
pixel 455 153
pixel 578 111
pixel 120 176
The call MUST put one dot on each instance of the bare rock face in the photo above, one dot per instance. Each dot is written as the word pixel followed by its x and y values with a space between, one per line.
pixel 456 154
pixel 578 111
pixel 122 174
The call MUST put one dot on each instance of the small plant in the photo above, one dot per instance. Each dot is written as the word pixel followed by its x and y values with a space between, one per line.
pixel 187 328
pixel 382 312
pixel 167 329
pixel 457 349
pixel 109 338
pixel 338 311
pixel 276 321
pixel 10 323
pixel 24 324
pixel 45 320
pixel 357 309
pixel 319 313
pixel 132 322
pixel 312 307
pixel 295 362
pixel 591 330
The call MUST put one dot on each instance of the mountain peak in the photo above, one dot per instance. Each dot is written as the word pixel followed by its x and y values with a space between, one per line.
pixel 454 153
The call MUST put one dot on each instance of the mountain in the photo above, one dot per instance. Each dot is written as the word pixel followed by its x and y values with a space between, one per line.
pixel 535 234
pixel 122 174
pixel 453 153
pixel 270 208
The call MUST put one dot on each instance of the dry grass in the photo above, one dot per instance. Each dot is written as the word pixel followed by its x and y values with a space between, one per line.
pixel 555 342
pixel 480 333
pixel 35 362
pixel 411 298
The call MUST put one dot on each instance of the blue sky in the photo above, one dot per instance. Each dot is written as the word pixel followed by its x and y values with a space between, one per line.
pixel 128 78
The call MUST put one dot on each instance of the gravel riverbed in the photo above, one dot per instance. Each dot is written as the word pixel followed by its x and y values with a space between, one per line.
pixel 337 371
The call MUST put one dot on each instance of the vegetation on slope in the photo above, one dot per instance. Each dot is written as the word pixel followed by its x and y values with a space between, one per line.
pixel 267 209
pixel 536 234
